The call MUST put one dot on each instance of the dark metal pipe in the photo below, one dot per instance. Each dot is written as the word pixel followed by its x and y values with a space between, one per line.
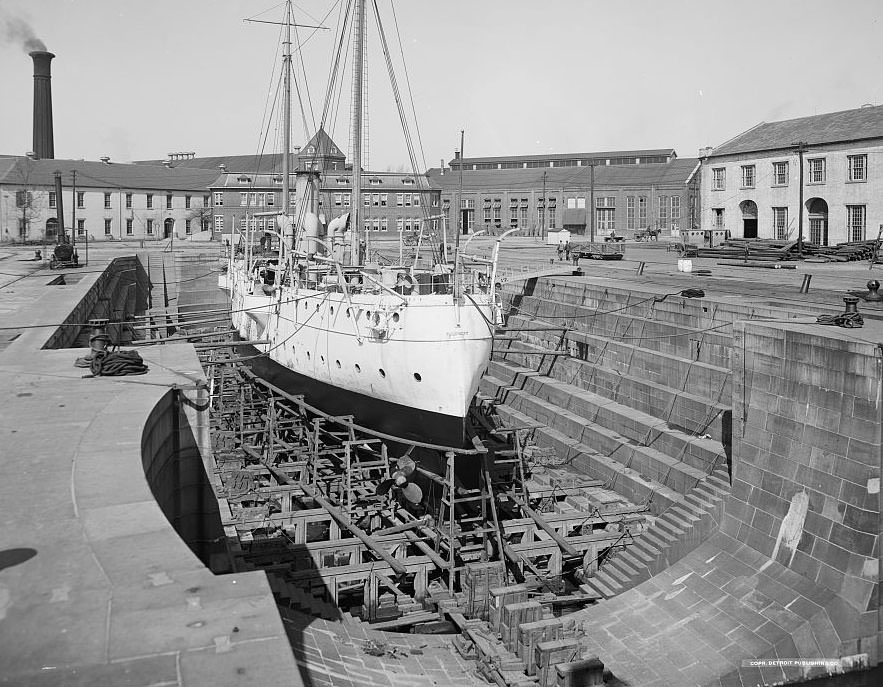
pixel 59 208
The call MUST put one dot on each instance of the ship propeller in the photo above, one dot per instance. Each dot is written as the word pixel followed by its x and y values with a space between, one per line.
pixel 405 467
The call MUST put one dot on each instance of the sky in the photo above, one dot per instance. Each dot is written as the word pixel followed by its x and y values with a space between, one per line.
pixel 136 79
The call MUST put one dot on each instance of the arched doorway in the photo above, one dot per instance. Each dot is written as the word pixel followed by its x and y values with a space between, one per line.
pixel 51 228
pixel 818 221
pixel 749 219
pixel 168 228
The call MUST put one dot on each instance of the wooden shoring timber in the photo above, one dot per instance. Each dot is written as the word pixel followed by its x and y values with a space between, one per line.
pixel 344 521
pixel 546 527
pixel 568 520
pixel 358 572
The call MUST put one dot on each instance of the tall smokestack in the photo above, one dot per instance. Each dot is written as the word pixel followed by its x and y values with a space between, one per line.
pixel 44 144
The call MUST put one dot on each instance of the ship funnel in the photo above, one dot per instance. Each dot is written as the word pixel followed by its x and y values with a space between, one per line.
pixel 44 145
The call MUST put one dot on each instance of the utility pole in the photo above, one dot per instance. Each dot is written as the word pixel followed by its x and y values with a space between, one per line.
pixel 545 208
pixel 461 225
pixel 801 146
pixel 74 209
pixel 591 208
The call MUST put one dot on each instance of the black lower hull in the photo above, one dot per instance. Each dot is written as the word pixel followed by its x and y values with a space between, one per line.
pixel 375 414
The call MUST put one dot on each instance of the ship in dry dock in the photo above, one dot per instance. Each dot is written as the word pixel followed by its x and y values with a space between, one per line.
pixel 401 346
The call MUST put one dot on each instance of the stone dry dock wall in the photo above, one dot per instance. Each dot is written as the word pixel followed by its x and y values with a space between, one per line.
pixel 116 292
pixel 806 481
pixel 789 566
pixel 642 400
pixel 174 450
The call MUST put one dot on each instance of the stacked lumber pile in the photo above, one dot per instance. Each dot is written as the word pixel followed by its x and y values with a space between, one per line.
pixel 773 250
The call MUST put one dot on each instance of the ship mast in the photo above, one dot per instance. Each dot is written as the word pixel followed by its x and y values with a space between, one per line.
pixel 287 223
pixel 358 56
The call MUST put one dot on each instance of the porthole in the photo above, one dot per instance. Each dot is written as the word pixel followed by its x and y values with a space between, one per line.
pixel 358 367
pixel 395 317
pixel 418 377
pixel 338 364
pixel 382 373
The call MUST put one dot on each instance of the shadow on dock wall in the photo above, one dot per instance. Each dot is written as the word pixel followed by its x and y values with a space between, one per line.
pixel 173 466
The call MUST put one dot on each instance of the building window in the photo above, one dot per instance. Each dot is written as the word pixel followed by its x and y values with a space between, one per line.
pixel 187 229
pixel 416 200
pixel 130 229
pixel 53 202
pixel 106 200
pixel 630 212
pixel 219 198
pixel 168 201
pixel 675 208
pixel 149 201
pixel 107 227
pixel 552 216
pixel 128 201
pixel 383 224
pixel 400 199
pixel 780 174
pixel 718 178
pixel 375 199
pixel 718 218
pixel 271 199
pixel 243 198
pixel 780 223
pixel 858 168
pixel 219 222
pixel 605 219
pixel 642 211
pixel 81 199
pixel 747 176
pixel 486 213
pixel 662 214
pixel 187 202
pixel 855 221
pixel 338 199
pixel 205 201
pixel 81 227
pixel 524 215
pixel 292 199
pixel 384 201
pixel 816 170
pixel 149 227
pixel 602 202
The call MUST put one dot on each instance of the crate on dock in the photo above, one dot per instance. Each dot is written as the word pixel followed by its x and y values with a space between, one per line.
pixel 549 654
pixel 500 596
pixel 514 615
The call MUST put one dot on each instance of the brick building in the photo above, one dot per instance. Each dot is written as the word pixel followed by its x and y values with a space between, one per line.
pixel 107 201
pixel 629 191
pixel 752 186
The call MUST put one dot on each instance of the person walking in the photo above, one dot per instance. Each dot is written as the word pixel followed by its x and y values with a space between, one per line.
pixel 567 250
pixel 560 251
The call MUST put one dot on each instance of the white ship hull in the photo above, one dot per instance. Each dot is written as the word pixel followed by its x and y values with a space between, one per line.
pixel 421 354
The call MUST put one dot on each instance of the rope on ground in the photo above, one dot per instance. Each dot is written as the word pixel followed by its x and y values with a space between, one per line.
pixel 850 320
pixel 115 364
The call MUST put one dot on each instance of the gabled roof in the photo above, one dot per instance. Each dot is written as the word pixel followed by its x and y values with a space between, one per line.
pixel 835 127
pixel 255 164
pixel 27 172
pixel 674 173
pixel 667 152
pixel 322 146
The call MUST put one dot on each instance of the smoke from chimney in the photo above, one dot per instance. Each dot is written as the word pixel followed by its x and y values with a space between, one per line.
pixel 44 143
pixel 17 31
